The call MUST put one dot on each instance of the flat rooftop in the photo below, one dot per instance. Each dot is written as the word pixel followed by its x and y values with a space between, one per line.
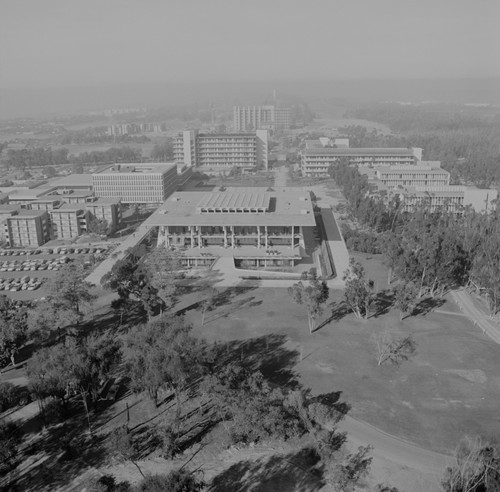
pixel 137 168
pixel 72 181
pixel 285 206
pixel 225 200
pixel 341 151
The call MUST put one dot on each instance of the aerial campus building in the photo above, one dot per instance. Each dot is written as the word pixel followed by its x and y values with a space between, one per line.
pixel 450 198
pixel 268 117
pixel 215 152
pixel 148 183
pixel 256 227
pixel 426 173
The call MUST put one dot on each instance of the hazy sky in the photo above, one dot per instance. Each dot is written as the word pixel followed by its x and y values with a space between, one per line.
pixel 92 42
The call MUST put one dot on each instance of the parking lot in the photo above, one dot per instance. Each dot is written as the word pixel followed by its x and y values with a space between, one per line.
pixel 23 272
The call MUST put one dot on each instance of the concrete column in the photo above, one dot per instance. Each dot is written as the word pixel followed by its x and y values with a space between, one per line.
pixel 191 230
pixel 225 236
pixel 266 237
pixel 199 236
pixel 293 235
pixel 167 234
pixel 258 236
pixel 232 236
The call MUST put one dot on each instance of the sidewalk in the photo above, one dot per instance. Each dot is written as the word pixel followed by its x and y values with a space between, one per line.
pixel 466 304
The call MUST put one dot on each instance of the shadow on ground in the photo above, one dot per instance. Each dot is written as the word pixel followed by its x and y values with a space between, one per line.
pixel 291 472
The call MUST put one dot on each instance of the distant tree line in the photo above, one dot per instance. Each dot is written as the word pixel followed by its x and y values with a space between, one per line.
pixel 467 143
pixel 98 135
pixel 29 157
pixel 434 251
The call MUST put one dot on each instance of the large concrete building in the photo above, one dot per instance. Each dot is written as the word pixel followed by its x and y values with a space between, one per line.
pixel 213 152
pixel 450 198
pixel 423 174
pixel 148 183
pixel 242 223
pixel 268 117
pixel 315 162
pixel 27 228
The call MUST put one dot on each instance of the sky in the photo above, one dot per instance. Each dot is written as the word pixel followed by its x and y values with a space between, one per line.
pixel 60 43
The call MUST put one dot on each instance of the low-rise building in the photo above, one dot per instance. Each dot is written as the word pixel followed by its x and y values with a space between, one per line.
pixel 257 227
pixel 148 183
pixel 315 162
pixel 450 198
pixel 27 228
pixel 423 174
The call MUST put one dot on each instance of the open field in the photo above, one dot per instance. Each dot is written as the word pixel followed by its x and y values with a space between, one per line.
pixel 450 388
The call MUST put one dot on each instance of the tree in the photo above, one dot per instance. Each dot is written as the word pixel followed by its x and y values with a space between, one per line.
pixel 13 328
pixel 405 295
pixel 476 468
pixel 313 296
pixel 346 474
pixel 392 349
pixel 69 290
pixel 98 226
pixel 9 443
pixel 358 290
pixel 50 172
pixel 163 354
pixel 163 152
pixel 120 444
pixel 130 279
pixel 180 480
pixel 45 316
pixel 49 374
pixel 209 303
pixel 162 269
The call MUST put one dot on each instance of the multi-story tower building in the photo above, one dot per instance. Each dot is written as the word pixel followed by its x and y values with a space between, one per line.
pixel 69 221
pixel 269 117
pixel 27 228
pixel 136 183
pixel 217 151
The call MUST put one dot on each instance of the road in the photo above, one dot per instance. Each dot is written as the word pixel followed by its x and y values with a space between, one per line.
pixel 392 448
pixel 489 327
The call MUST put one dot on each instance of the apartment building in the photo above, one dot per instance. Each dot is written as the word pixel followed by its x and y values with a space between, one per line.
pixel 268 117
pixel 213 152
pixel 243 223
pixel 108 209
pixel 423 174
pixel 315 162
pixel 450 198
pixel 27 228
pixel 69 221
pixel 148 183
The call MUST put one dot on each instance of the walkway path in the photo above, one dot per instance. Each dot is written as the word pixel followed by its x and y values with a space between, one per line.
pixel 489 327
pixel 280 177
pixel 392 448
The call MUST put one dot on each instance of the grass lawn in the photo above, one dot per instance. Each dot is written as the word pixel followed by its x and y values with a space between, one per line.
pixel 449 388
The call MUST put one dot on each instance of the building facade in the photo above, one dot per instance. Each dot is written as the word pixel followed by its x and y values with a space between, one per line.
pixel 69 221
pixel 27 228
pixel 108 209
pixel 413 175
pixel 254 226
pixel 149 183
pixel 315 162
pixel 268 117
pixel 216 151
pixel 449 198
